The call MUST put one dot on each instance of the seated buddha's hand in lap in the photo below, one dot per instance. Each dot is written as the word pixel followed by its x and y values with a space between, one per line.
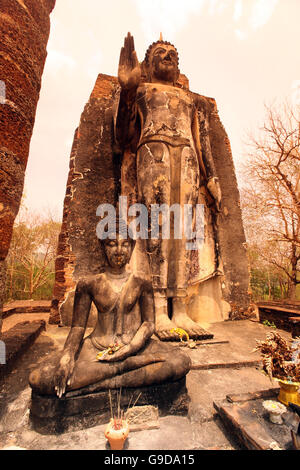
pixel 63 373
pixel 120 355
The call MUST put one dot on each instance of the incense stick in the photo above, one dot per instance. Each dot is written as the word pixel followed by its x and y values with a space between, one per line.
pixel 136 400
pixel 110 402
pixel 119 402
pixel 129 403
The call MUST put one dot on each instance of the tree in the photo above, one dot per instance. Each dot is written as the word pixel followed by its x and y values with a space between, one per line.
pixel 271 196
pixel 30 261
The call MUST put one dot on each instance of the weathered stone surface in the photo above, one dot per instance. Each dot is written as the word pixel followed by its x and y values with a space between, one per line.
pixel 17 413
pixel 2 289
pixel 198 414
pixel 165 127
pixel 142 417
pixel 17 340
pixel 25 27
pixel 64 263
pixel 74 411
pixel 11 187
pixel 66 311
pixel 119 352
pixel 241 397
pixel 94 178
pixel 232 243
pixel 250 423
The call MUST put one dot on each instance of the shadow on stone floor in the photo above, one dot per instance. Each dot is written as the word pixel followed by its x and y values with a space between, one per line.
pixel 15 394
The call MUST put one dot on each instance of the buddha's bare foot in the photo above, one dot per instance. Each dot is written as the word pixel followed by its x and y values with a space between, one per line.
pixel 183 321
pixel 163 324
pixel 193 329
pixel 163 327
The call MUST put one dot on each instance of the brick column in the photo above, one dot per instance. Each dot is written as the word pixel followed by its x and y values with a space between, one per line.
pixel 25 27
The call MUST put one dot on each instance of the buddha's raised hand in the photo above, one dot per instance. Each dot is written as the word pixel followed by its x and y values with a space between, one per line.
pixel 129 73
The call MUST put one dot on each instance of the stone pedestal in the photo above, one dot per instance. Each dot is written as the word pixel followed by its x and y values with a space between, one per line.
pixel 83 408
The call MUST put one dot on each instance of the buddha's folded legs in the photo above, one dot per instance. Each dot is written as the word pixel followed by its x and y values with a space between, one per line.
pixel 172 369
pixel 155 364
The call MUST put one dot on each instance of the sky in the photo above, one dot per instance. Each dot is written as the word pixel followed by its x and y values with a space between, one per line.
pixel 243 53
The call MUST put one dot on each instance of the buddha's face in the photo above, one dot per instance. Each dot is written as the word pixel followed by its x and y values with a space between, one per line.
pixel 164 62
pixel 118 252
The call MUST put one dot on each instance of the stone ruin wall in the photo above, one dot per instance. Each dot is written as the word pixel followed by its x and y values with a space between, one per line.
pixel 25 28
pixel 94 178
pixel 236 288
pixel 65 259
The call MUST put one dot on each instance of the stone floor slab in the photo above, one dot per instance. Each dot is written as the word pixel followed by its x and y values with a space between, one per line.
pixel 249 422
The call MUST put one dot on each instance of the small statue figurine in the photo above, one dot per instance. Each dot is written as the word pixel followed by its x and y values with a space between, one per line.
pixel 158 121
pixel 120 351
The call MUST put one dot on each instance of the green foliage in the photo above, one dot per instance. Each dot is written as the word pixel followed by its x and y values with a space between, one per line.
pixel 266 285
pixel 31 259
pixel 271 324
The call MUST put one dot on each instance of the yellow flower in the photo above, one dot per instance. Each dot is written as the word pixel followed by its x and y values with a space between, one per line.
pixel 180 333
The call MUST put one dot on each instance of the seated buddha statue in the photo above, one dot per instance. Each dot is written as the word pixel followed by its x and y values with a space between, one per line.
pixel 120 351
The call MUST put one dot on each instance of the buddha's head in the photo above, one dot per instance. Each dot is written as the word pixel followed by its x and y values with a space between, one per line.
pixel 118 251
pixel 118 246
pixel 161 62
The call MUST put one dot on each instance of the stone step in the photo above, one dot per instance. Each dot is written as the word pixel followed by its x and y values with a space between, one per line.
pixel 26 306
pixel 17 341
